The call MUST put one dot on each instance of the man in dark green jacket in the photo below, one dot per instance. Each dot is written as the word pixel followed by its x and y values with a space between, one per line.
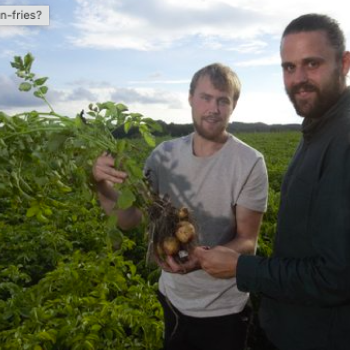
pixel 305 285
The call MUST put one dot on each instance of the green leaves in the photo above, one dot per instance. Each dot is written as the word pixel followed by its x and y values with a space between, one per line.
pixel 68 276
pixel 126 198
pixel 94 299
pixel 23 65
pixel 80 135
pixel 25 87
pixel 23 70
pixel 27 62
pixel 40 81
pixel 41 91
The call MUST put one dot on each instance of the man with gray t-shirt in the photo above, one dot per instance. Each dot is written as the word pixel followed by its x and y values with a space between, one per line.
pixel 223 181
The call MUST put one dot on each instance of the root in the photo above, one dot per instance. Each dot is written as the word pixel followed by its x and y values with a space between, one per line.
pixel 164 220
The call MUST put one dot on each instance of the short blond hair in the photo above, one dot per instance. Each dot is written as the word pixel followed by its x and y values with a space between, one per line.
pixel 222 77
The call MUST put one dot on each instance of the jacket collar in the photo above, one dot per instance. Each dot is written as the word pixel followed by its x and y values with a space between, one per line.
pixel 310 126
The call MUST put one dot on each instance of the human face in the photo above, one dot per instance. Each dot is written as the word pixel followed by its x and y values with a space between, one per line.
pixel 313 77
pixel 211 110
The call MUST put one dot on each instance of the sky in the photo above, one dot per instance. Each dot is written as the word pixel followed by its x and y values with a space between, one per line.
pixel 143 53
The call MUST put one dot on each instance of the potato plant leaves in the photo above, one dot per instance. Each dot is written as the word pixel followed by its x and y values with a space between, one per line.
pixel 67 277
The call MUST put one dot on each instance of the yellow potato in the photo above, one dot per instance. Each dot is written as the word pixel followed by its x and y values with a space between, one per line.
pixel 159 250
pixel 183 213
pixel 185 232
pixel 171 245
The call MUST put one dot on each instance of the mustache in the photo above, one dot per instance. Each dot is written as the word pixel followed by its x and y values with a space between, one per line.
pixel 211 117
pixel 307 87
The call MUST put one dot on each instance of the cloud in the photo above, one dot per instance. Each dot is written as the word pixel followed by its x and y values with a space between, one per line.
pixel 7 32
pixel 146 96
pixel 268 107
pixel 163 82
pixel 85 89
pixel 8 54
pixel 158 24
pixel 261 61
pixel 254 46
pixel 161 24
pixel 79 94
pixel 13 101
pixel 11 97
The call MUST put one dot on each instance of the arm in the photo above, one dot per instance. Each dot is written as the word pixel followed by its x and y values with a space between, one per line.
pixel 105 176
pixel 311 262
pixel 221 261
pixel 248 227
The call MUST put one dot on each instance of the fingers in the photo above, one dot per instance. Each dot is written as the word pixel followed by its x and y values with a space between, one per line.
pixel 219 262
pixel 169 265
pixel 200 253
pixel 103 170
pixel 172 266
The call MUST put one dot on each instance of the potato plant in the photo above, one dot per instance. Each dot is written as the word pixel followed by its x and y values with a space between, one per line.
pixel 67 278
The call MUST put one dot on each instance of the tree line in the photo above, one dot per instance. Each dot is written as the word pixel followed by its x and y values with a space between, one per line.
pixel 178 130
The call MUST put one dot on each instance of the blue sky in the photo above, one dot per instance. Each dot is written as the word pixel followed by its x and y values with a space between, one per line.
pixel 144 52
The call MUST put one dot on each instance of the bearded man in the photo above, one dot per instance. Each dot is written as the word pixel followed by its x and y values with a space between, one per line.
pixel 223 182
pixel 305 285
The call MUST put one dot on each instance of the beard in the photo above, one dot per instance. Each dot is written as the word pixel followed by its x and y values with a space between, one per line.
pixel 217 134
pixel 323 100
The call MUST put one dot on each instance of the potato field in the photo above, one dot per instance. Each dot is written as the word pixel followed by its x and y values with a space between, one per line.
pixel 69 278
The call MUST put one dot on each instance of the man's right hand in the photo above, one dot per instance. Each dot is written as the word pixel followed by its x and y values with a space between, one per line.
pixel 105 175
pixel 104 170
pixel 219 261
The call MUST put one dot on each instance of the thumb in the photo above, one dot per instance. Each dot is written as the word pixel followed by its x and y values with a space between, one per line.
pixel 199 252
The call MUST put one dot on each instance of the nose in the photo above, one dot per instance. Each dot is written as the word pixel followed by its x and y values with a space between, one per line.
pixel 300 75
pixel 214 106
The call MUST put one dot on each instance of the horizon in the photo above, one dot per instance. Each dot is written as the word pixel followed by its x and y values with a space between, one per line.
pixel 145 54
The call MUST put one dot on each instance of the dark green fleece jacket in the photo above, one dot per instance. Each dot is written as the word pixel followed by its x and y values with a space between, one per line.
pixel 305 285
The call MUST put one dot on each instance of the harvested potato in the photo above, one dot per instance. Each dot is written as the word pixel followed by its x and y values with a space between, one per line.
pixel 185 232
pixel 183 213
pixel 171 245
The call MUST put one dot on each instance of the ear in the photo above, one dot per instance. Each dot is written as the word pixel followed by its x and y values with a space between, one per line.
pixel 346 62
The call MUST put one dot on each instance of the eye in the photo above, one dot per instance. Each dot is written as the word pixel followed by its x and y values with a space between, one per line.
pixel 224 102
pixel 206 98
pixel 313 64
pixel 288 68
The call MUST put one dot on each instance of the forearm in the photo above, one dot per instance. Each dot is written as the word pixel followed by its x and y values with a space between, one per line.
pixel 247 231
pixel 221 261
pixel 243 245
pixel 107 195
pixel 308 281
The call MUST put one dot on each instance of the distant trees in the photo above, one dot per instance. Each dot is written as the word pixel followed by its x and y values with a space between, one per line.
pixel 178 130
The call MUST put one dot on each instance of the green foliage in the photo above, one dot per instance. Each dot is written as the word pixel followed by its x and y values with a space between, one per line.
pixel 68 279
pixel 91 300
pixel 23 70
pixel 278 149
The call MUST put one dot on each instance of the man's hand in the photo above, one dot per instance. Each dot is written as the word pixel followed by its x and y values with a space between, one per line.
pixel 219 262
pixel 172 266
pixel 104 170
pixel 105 175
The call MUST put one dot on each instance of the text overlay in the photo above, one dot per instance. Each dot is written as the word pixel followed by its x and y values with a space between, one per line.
pixel 24 15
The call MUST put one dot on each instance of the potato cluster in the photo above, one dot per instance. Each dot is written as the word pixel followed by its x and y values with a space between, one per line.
pixel 173 233
pixel 184 234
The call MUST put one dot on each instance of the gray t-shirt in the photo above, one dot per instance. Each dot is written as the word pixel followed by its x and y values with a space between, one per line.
pixel 210 187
